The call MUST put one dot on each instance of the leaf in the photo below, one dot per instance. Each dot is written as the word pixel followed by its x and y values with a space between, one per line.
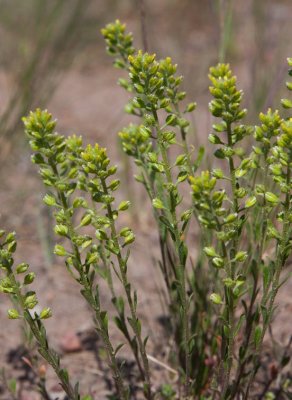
pixel 199 158
pixel 257 336
pixel 239 324
pixel 118 348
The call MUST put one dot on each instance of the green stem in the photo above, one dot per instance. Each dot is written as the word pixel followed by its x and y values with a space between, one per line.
pixel 231 272
pixel 281 259
pixel 40 338
pixel 123 271
pixel 90 298
pixel 181 266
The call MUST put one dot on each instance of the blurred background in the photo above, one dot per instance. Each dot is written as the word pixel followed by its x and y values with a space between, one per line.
pixel 52 55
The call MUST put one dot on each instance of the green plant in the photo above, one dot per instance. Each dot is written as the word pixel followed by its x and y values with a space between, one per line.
pixel 220 307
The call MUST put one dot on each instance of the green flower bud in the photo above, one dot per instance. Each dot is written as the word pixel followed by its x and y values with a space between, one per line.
pixel 46 313
pixel 210 252
pixel 86 220
pixel 49 200
pixel 30 301
pixel 59 250
pixel 218 262
pixel 11 247
pixel 129 238
pixel 61 230
pixel 13 313
pixel 191 107
pixel 29 278
pixel 79 202
pixel 230 218
pixel 157 203
pixel 124 205
pixel 250 202
pixel 286 103
pixel 241 256
pixel 21 268
pixel 272 198
pixel 216 298
pixel 218 173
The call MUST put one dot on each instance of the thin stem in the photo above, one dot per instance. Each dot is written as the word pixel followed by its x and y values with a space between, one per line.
pixel 281 259
pixel 231 272
pixel 181 266
pixel 90 298
pixel 41 338
pixel 123 270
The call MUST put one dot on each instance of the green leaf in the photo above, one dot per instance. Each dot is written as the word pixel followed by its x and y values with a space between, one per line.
pixel 257 336
pixel 199 158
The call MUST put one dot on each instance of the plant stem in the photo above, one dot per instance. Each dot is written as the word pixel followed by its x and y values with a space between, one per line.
pixel 42 341
pixel 231 271
pixel 123 271
pixel 90 298
pixel 181 265
pixel 281 259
